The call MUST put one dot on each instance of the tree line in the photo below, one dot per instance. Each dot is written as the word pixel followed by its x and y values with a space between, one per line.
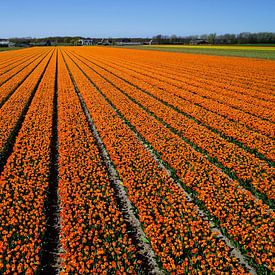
pixel 213 38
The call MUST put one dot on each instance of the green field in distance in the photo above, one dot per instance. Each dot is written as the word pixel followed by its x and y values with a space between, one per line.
pixel 253 51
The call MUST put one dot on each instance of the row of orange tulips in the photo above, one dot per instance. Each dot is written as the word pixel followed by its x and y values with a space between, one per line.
pixel 8 87
pixel 219 90
pixel 23 66
pixel 235 208
pixel 190 90
pixel 12 110
pixel 15 61
pixel 24 183
pixel 181 239
pixel 244 165
pixel 94 237
pixel 93 232
pixel 215 88
pixel 9 57
pixel 242 74
pixel 249 138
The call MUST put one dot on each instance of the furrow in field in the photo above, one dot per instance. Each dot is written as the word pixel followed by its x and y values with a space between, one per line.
pixel 13 112
pixel 7 89
pixel 25 181
pixel 253 173
pixel 50 248
pixel 246 220
pixel 182 240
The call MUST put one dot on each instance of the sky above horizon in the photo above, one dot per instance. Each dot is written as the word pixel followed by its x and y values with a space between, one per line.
pixel 126 18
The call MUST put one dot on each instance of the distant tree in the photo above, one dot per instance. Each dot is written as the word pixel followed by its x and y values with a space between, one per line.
pixel 158 38
pixel 67 40
pixel 211 38
pixel 173 38
pixel 73 41
pixel 242 38
pixel 204 36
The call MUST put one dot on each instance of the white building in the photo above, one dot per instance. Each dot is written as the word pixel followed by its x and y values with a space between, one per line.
pixel 85 42
pixel 6 43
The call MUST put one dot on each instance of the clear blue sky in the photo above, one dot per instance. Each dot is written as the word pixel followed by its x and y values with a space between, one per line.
pixel 133 18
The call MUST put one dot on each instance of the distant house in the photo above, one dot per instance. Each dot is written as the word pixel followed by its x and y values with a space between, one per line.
pixel 45 43
pixel 198 42
pixel 127 42
pixel 85 42
pixel 41 43
pixel 22 44
pixel 152 42
pixel 104 42
pixel 11 44
pixel 6 43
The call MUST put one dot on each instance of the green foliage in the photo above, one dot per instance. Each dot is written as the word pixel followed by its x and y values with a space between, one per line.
pixel 262 54
pixel 2 49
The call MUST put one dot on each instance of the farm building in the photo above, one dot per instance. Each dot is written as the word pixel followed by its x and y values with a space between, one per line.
pixel 85 42
pixel 150 42
pixel 127 42
pixel 104 42
pixel 198 42
pixel 22 44
pixel 6 43
pixel 42 43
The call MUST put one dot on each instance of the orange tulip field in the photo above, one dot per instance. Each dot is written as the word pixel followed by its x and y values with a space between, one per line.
pixel 124 161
